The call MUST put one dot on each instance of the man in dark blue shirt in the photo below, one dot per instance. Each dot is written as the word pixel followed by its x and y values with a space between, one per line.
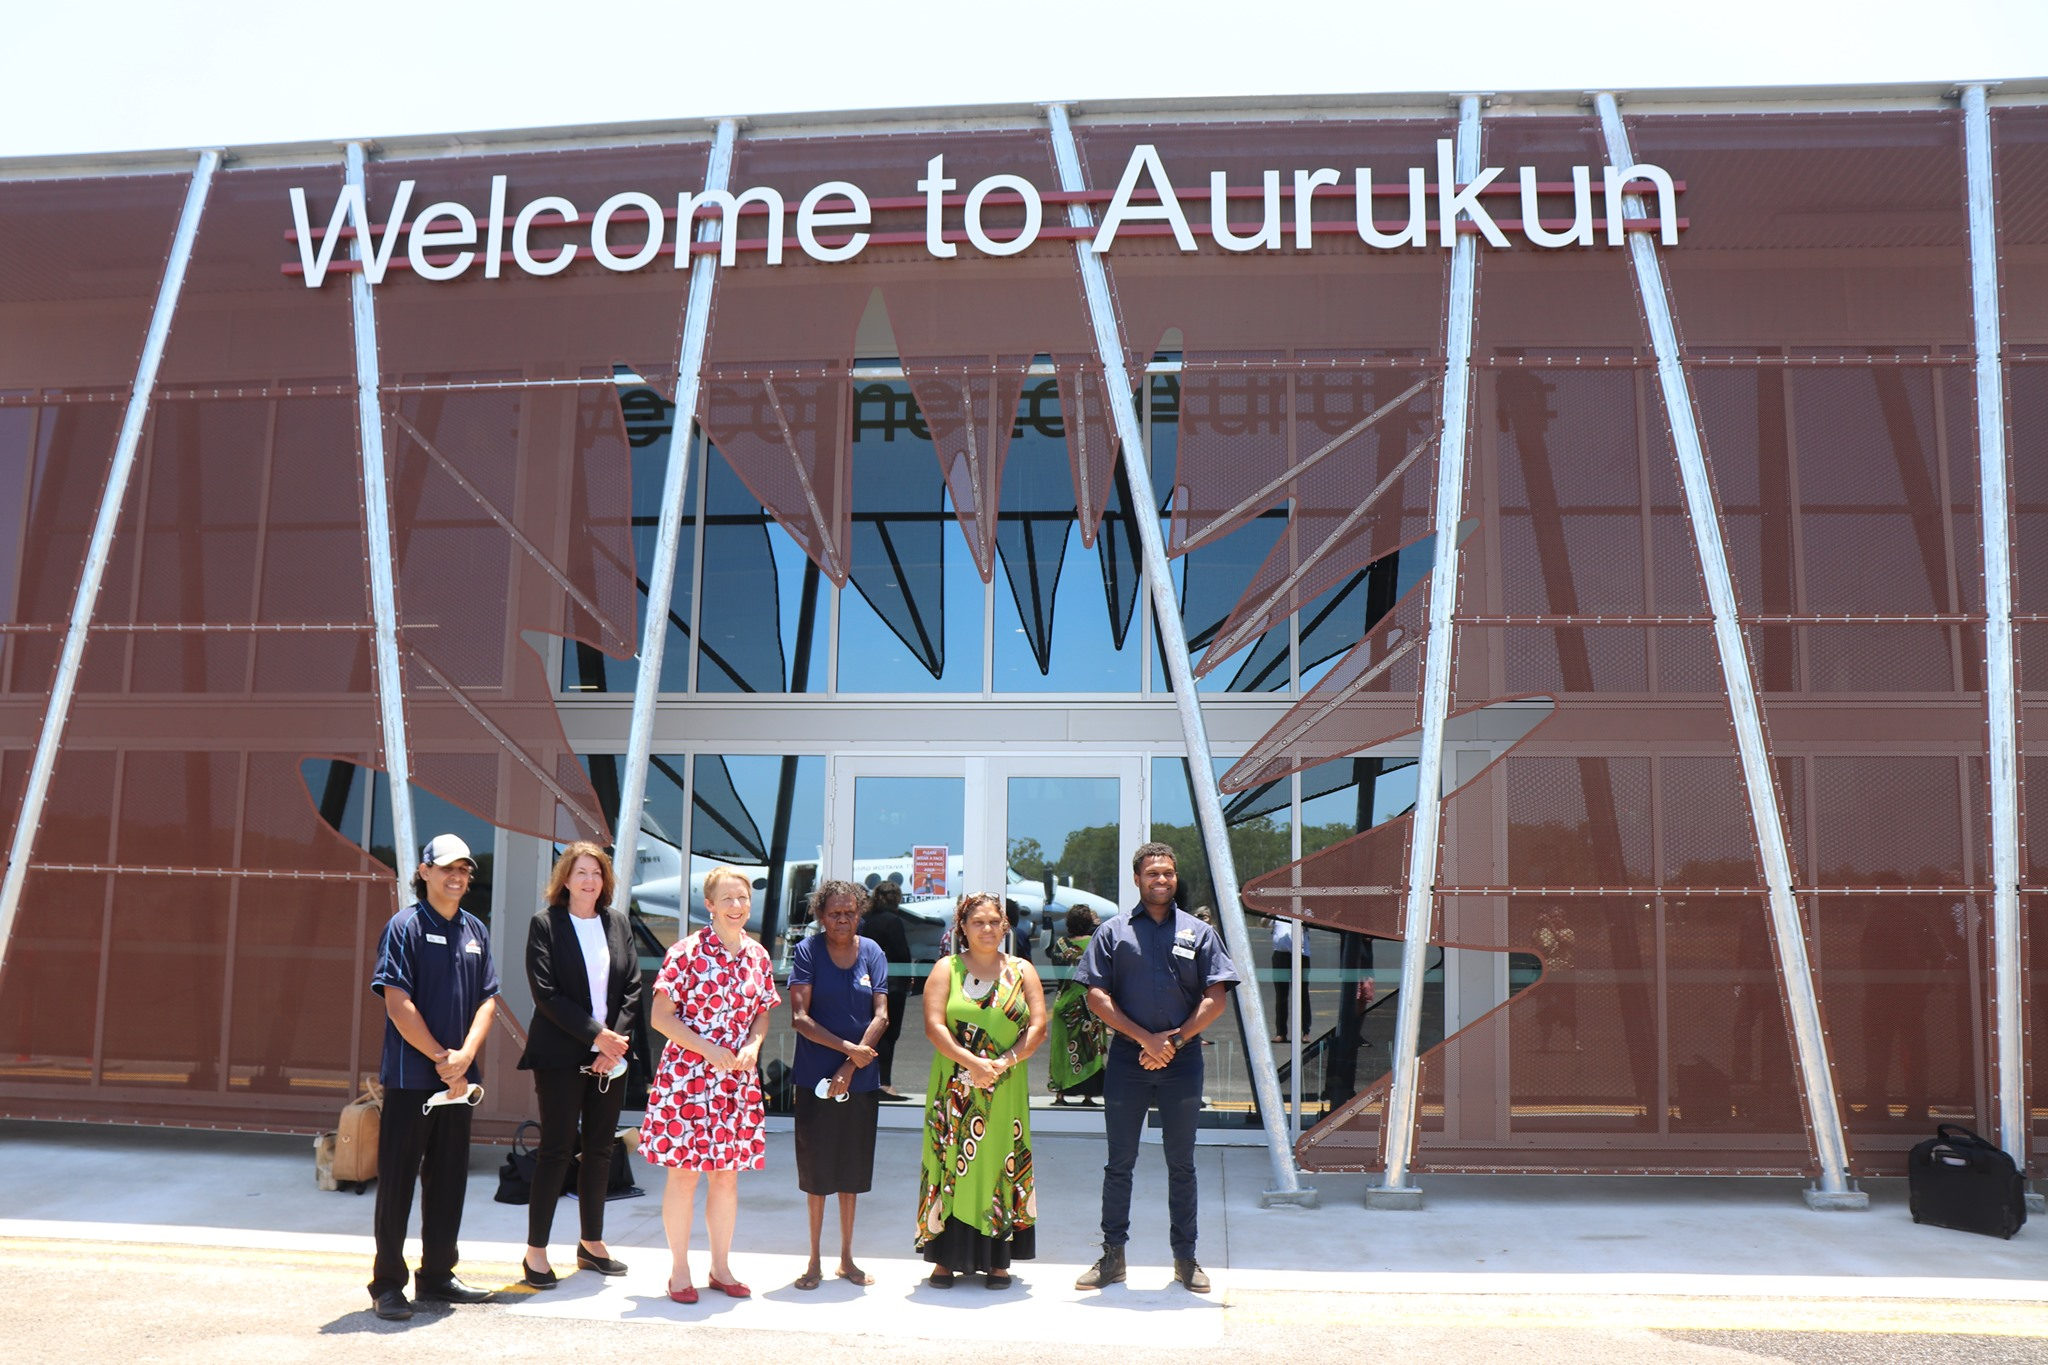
pixel 440 991
pixel 1157 976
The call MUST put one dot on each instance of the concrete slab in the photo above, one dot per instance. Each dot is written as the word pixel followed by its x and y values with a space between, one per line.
pixel 1503 1236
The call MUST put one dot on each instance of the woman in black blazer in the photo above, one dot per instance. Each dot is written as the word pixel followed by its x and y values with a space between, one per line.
pixel 585 973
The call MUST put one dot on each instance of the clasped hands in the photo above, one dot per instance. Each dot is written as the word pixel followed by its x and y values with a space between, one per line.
pixel 1155 1052
pixel 453 1068
pixel 858 1055
pixel 984 1072
pixel 727 1059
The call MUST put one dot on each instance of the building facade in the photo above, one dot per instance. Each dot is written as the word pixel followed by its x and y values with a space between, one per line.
pixel 1584 552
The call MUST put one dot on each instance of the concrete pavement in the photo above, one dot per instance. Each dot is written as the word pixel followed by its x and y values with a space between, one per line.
pixel 1526 1253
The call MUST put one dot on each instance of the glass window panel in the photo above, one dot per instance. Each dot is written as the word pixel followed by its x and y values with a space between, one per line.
pixel 913 621
pixel 765 815
pixel 1065 829
pixel 1048 640
pixel 765 614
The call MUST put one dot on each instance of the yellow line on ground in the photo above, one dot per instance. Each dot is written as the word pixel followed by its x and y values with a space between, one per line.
pixel 179 1258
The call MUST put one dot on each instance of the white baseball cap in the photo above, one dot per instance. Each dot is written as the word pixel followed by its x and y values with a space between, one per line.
pixel 444 849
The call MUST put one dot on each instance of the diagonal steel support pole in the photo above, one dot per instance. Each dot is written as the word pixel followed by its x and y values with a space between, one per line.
pixel 1287 1186
pixel 92 574
pixel 2000 675
pixel 377 535
pixel 661 573
pixel 1795 969
pixel 1395 1190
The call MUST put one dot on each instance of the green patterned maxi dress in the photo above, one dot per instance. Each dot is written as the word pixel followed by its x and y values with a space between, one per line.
pixel 976 1201
pixel 1078 1037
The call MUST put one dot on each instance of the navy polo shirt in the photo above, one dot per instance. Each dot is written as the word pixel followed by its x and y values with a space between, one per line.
pixel 445 966
pixel 1156 971
pixel 842 1002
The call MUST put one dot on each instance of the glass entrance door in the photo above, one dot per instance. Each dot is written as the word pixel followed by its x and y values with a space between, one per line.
pixel 1047 834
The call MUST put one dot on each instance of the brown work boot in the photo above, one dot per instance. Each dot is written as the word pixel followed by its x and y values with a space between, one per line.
pixel 1106 1271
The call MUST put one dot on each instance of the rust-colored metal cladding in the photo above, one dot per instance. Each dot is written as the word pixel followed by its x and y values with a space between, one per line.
pixel 965 327
pixel 573 324
pixel 1367 698
pixel 483 482
pixel 782 429
pixel 970 412
pixel 2021 140
pixel 78 274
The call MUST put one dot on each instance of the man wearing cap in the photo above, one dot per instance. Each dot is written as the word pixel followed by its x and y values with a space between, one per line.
pixel 440 991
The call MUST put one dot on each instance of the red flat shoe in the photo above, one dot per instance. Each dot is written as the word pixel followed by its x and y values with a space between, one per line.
pixel 735 1290
pixel 687 1294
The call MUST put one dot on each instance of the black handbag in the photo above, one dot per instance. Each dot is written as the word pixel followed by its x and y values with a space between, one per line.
pixel 618 1183
pixel 515 1177
pixel 1958 1180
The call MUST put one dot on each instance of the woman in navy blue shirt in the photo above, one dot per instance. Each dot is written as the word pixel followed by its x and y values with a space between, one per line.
pixel 839 991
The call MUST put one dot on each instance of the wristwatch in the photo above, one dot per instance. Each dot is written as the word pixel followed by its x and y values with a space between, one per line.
pixel 1175 1039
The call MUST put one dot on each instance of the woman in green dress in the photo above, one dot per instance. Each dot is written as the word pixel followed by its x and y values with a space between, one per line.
pixel 984 1012
pixel 1078 1037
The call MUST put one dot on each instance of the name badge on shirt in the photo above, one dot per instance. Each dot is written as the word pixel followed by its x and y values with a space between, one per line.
pixel 1186 950
pixel 436 938
pixel 473 947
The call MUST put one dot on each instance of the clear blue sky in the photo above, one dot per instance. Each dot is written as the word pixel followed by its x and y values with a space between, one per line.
pixel 126 74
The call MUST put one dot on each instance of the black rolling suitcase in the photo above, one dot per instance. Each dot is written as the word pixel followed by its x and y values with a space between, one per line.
pixel 1958 1180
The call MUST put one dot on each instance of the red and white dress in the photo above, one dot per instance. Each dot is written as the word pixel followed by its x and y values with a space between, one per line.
pixel 698 1118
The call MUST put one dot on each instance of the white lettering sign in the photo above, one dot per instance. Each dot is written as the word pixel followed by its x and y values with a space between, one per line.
pixel 833 219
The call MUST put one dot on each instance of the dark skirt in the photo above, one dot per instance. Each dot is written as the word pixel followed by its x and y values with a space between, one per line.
pixel 966 1250
pixel 835 1143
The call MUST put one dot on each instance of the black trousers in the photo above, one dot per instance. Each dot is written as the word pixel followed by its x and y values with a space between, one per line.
pixel 885 1048
pixel 575 1118
pixel 1283 989
pixel 434 1150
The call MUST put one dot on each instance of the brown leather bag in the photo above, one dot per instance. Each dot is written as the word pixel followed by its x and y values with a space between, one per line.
pixel 355 1138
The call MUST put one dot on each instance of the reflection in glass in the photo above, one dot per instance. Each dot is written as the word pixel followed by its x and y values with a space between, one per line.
pixel 1045 641
pixel 914 621
pixel 765 615
pixel 1062 837
pixel 764 814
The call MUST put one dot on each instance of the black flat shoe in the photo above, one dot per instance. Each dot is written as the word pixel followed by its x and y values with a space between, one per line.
pixel 450 1290
pixel 394 1306
pixel 603 1265
pixel 539 1279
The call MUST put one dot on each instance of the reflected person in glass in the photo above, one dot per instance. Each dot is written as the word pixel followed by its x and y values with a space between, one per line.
pixel 884 924
pixel 1078 1037
pixel 704 1110
pixel 584 970
pixel 984 1011
pixel 840 1002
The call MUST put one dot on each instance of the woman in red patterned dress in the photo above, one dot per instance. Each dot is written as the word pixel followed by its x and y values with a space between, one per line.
pixel 711 1001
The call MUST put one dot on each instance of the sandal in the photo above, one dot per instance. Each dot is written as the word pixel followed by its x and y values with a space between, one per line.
pixel 810 1279
pixel 856 1276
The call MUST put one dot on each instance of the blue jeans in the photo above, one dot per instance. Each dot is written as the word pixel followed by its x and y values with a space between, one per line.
pixel 1128 1092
